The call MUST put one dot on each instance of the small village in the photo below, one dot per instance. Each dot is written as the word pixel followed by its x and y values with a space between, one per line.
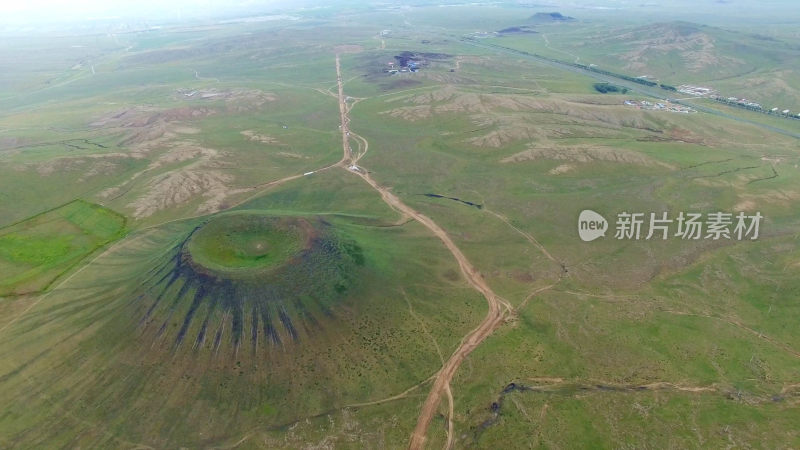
pixel 393 68
pixel 402 66
pixel 659 106
pixel 699 91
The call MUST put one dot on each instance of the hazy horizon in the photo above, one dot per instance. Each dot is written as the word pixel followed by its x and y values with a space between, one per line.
pixel 36 12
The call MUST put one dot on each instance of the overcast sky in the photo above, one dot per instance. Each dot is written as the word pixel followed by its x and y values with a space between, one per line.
pixel 16 11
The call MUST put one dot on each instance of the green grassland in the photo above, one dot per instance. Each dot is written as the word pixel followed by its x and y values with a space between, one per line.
pixel 615 343
pixel 59 131
pixel 608 290
pixel 386 339
pixel 709 326
pixel 35 252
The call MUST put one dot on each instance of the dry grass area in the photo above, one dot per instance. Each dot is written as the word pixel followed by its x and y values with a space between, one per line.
pixel 583 154
pixel 143 130
pixel 348 49
pixel 510 128
pixel 563 168
pixel 7 142
pixel 253 136
pixel 450 99
pixel 783 197
pixel 89 165
pixel 181 170
pixel 234 100
pixel 503 119
pixel 181 151
pixel 180 186
pixel 773 83
pixel 145 127
pixel 192 171
pixel 696 49
pixel 775 88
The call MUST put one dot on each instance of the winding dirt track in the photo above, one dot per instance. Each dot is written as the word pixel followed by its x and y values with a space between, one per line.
pixel 499 308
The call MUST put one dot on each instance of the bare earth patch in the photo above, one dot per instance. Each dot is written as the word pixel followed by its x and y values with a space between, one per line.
pixel 751 202
pixel 181 184
pixel 181 151
pixel 584 154
pixel 192 170
pixel 234 100
pixel 563 168
pixel 253 136
pixel 696 48
pixel 146 127
pixel 509 128
pixel 88 165
pixel 292 155
pixel 179 187
pixel 510 116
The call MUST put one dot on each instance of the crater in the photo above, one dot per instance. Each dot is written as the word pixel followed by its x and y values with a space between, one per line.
pixel 248 279
pixel 248 244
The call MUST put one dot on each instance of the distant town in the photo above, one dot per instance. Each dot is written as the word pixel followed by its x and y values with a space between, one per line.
pixel 699 91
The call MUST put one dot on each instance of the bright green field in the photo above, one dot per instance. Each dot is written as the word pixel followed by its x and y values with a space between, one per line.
pixel 35 252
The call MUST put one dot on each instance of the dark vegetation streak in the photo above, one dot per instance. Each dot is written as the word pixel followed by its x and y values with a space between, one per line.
pixel 725 172
pixel 269 329
pixel 66 143
pixel 774 175
pixel 218 336
pixel 455 199
pixel 254 327
pixel 159 297
pixel 571 390
pixel 22 367
pixel 181 292
pixel 706 163
pixel 199 294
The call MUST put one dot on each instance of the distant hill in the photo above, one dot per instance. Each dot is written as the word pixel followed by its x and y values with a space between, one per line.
pixel 734 63
pixel 551 17
pixel 680 49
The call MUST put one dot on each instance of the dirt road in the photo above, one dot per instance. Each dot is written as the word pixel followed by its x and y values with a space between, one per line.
pixel 499 308
pixel 343 113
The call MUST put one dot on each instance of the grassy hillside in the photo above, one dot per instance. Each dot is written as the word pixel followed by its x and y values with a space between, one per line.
pixel 406 305
pixel 745 64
